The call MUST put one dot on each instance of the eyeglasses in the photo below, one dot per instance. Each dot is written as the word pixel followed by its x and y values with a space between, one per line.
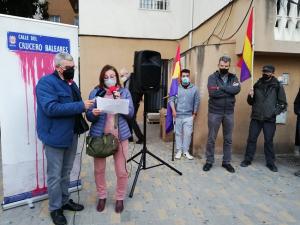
pixel 68 67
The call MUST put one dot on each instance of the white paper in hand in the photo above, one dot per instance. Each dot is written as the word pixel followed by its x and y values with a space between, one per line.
pixel 108 105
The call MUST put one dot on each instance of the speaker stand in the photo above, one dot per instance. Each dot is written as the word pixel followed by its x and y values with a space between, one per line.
pixel 144 151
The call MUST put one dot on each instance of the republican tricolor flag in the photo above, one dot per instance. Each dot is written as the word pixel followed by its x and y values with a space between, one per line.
pixel 173 90
pixel 246 62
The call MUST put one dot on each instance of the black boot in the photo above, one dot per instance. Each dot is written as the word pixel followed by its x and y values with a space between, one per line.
pixel 72 206
pixel 228 167
pixel 207 167
pixel 58 217
pixel 272 167
pixel 245 163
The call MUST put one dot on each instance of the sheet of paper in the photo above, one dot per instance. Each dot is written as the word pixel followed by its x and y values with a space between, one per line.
pixel 113 105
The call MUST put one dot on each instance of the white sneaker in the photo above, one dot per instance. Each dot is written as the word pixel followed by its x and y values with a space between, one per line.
pixel 188 156
pixel 297 151
pixel 178 155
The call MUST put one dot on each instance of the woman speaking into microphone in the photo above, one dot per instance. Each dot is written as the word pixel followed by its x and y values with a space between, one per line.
pixel 106 123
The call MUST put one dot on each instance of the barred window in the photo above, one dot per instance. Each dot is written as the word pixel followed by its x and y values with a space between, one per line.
pixel 162 5
pixel 286 27
pixel 54 18
pixel 76 20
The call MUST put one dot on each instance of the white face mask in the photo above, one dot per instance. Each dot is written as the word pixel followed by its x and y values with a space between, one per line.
pixel 110 82
pixel 124 78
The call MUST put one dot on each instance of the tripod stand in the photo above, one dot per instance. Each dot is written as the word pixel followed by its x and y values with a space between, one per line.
pixel 144 151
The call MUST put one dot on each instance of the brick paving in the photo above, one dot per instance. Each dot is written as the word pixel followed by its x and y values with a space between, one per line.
pixel 251 196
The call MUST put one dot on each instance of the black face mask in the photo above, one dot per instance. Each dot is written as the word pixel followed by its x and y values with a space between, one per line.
pixel 265 76
pixel 223 71
pixel 68 74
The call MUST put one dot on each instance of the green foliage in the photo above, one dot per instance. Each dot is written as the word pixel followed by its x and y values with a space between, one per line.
pixel 25 8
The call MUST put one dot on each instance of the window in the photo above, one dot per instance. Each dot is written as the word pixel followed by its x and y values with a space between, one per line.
pixel 76 20
pixel 288 8
pixel 162 5
pixel 278 6
pixel 277 23
pixel 287 17
pixel 54 19
pixel 288 24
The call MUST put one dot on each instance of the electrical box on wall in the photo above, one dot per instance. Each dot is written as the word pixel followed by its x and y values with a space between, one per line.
pixel 281 118
pixel 284 79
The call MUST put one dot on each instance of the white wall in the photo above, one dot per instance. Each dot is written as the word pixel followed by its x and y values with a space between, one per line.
pixel 123 18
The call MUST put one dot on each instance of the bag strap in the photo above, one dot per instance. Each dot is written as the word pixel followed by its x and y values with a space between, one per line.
pixel 116 121
pixel 89 140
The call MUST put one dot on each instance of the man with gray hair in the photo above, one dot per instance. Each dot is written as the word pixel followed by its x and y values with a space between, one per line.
pixel 59 108
pixel 222 88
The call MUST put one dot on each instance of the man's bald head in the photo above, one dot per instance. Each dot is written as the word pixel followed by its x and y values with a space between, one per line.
pixel 124 74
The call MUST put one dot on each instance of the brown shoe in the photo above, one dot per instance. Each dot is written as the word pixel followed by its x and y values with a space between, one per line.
pixel 101 205
pixel 119 206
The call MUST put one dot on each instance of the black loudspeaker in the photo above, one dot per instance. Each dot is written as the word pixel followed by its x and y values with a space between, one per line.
pixel 147 70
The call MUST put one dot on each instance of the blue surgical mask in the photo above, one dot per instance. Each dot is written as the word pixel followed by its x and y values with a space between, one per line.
pixel 185 80
pixel 110 82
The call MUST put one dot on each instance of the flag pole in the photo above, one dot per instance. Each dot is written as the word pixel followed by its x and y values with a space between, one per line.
pixel 253 45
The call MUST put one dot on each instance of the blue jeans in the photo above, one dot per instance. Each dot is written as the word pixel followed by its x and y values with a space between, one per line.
pixel 59 165
pixel 183 133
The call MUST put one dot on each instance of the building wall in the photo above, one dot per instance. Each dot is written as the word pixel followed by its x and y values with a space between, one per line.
pixel 63 9
pixel 202 59
pixel 95 52
pixel 123 18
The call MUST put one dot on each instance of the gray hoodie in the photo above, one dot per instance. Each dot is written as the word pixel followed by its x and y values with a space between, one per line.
pixel 186 101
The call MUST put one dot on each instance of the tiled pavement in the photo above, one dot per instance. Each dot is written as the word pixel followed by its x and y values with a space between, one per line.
pixel 251 196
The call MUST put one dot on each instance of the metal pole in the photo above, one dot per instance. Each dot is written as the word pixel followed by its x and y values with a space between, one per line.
pixel 253 45
pixel 173 144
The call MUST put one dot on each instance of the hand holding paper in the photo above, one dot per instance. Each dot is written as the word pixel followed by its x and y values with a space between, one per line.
pixel 113 105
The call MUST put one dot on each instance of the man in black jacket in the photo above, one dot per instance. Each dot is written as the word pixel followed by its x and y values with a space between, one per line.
pixel 137 96
pixel 222 87
pixel 297 135
pixel 267 100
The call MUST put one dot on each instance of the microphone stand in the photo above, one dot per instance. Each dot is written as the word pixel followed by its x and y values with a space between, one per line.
pixel 144 151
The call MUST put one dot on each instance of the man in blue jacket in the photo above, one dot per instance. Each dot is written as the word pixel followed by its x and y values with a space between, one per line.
pixel 59 108
pixel 222 88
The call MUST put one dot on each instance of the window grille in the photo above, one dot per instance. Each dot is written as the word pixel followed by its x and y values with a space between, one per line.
pixel 161 5
pixel 54 19
pixel 286 27
pixel 76 20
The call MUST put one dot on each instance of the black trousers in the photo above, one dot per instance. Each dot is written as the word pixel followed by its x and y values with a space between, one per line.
pixel 133 125
pixel 297 136
pixel 255 128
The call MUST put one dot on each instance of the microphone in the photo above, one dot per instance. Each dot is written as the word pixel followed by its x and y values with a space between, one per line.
pixel 100 93
pixel 112 89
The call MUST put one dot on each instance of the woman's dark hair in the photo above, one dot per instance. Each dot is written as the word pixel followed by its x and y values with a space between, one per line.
pixel 102 74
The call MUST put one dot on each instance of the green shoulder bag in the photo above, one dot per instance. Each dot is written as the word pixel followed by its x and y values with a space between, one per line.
pixel 101 147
